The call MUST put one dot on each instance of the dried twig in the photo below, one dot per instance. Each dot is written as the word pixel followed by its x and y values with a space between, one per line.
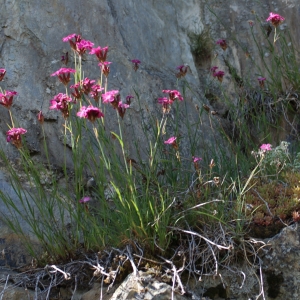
pixel 202 237
pixel 67 276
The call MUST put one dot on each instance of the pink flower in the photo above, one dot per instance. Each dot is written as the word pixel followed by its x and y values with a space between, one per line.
pixel 100 53
pixel 96 92
pixel 69 37
pixel 172 141
pixel 275 19
pixel 222 44
pixel 196 159
pixel 112 97
pixel 2 74
pixel 77 93
pixel 182 70
pixel 213 69
pixel 14 135
pixel 83 45
pixel 173 94
pixel 84 200
pixel 61 102
pixel 77 39
pixel 87 84
pixel 7 98
pixel 136 64
pixel 266 147
pixel 122 109
pixel 219 75
pixel 79 45
pixel 64 74
pixel 166 104
pixel 40 117
pixel 91 113
pixel 104 66
pixel 261 81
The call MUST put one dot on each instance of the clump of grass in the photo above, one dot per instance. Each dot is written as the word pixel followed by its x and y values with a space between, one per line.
pixel 130 196
pixel 201 45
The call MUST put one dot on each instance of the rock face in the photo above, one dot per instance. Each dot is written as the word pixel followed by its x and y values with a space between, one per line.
pixel 281 264
pixel 158 33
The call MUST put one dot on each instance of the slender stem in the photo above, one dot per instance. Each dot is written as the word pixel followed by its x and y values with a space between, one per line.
pixel 11 118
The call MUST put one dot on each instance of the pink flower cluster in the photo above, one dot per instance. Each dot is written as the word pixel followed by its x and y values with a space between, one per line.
pixel 91 113
pixel 113 97
pixel 275 19
pixel 196 161
pixel 182 70
pixel 168 101
pixel 266 147
pixel 261 81
pixel 100 53
pixel 172 141
pixel 2 74
pixel 61 102
pixel 14 135
pixel 64 74
pixel 104 66
pixel 6 99
pixel 78 44
pixel 136 64
pixel 218 74
pixel 222 43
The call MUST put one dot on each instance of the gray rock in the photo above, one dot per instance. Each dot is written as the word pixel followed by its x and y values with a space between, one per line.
pixel 144 287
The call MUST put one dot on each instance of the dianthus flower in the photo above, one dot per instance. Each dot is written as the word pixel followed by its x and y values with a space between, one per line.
pixel 14 135
pixel 166 104
pixel 86 85
pixel 222 44
pixel 122 109
pixel 136 64
pixel 96 92
pixel 275 19
pixel 2 74
pixel 64 74
pixel 196 161
pixel 100 53
pixel 266 147
pixel 78 44
pixel 213 69
pixel 61 102
pixel 40 117
pixel 182 70
pixel 7 98
pixel 219 75
pixel 173 94
pixel 83 45
pixel 77 93
pixel 261 81
pixel 104 66
pixel 77 39
pixel 91 113
pixel 172 141
pixel 84 200
pixel 112 97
